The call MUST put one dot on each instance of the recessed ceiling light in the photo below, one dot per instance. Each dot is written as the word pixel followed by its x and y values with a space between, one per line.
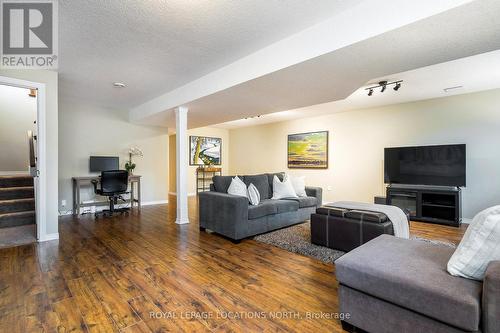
pixel 119 85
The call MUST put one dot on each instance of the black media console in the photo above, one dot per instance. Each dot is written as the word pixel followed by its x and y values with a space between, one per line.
pixel 441 205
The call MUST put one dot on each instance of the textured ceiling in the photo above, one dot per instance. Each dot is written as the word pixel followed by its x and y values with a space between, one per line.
pixel 155 46
pixel 461 32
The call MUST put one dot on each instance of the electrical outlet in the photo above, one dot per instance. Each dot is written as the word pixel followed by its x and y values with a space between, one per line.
pixel 63 203
pixel 329 188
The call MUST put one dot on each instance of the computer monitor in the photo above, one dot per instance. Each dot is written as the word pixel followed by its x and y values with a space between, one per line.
pixel 104 163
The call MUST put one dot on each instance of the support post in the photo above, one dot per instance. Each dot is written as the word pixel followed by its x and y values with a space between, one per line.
pixel 181 164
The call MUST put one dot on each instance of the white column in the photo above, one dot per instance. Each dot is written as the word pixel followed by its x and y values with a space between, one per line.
pixel 181 138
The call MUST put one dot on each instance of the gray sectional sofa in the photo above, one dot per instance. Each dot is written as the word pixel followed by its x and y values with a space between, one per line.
pixel 401 285
pixel 232 216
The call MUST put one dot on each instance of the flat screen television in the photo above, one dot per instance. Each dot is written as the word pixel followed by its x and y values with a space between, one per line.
pixel 442 165
pixel 104 163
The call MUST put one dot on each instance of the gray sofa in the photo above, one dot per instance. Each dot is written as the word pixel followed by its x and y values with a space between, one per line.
pixel 399 285
pixel 232 216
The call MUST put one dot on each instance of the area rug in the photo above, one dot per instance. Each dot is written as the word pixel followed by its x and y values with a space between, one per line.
pixel 297 239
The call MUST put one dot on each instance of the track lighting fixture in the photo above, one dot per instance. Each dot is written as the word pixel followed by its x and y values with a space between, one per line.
pixel 253 117
pixel 383 85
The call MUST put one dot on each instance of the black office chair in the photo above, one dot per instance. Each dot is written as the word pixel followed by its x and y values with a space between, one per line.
pixel 114 183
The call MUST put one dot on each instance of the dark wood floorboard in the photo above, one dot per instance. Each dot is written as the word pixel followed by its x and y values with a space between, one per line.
pixel 143 273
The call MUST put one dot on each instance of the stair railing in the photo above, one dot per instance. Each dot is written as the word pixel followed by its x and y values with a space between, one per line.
pixel 31 143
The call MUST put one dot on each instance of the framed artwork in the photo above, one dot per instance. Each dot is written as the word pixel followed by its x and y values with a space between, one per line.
pixel 204 150
pixel 308 150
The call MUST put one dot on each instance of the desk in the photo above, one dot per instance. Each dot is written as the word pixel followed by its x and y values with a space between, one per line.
pixel 79 181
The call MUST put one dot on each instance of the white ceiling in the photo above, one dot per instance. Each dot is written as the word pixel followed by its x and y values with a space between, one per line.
pixel 472 73
pixel 463 31
pixel 155 46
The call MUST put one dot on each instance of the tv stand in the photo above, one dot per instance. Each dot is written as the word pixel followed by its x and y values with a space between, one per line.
pixel 435 204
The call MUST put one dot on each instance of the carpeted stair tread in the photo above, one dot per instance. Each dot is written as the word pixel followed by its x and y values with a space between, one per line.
pixel 17 219
pixel 17 205
pixel 24 192
pixel 16 181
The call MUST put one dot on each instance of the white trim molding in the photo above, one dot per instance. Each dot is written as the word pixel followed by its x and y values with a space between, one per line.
pixel 190 194
pixel 41 210
pixel 49 237
pixel 147 203
pixel 152 203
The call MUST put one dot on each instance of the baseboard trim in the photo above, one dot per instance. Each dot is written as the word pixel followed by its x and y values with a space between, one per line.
pixel 466 221
pixel 100 208
pixel 49 237
pixel 190 194
pixel 182 221
pixel 157 202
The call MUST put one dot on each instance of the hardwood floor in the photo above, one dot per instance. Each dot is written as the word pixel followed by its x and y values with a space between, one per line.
pixel 144 273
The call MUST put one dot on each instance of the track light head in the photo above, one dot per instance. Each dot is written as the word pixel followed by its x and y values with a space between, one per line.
pixel 370 92
pixel 383 84
pixel 397 86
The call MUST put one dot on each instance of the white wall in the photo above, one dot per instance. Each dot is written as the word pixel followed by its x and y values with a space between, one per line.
pixel 357 139
pixel 17 114
pixel 49 78
pixel 88 130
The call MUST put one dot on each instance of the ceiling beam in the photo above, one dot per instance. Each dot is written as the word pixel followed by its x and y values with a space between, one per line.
pixel 368 19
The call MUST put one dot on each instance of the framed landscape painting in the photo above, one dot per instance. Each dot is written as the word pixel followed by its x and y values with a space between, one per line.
pixel 204 150
pixel 308 150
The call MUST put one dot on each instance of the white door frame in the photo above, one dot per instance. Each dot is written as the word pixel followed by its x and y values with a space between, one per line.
pixel 41 142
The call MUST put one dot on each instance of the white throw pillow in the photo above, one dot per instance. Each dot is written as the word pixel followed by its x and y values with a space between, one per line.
pixel 479 246
pixel 253 194
pixel 237 187
pixel 283 189
pixel 299 186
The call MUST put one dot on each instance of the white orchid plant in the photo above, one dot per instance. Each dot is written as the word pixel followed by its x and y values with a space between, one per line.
pixel 133 151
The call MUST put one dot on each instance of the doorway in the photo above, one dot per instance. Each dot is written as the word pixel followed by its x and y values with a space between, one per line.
pixel 20 205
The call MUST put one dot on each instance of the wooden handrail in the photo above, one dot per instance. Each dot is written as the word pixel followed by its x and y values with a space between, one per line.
pixel 32 159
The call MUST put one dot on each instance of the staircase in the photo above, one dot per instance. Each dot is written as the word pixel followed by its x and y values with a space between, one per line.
pixel 17 201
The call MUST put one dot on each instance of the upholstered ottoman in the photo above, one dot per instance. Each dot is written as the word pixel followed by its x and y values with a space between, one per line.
pixel 344 229
pixel 392 284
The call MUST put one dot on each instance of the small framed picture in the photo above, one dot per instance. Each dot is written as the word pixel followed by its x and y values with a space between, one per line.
pixel 205 150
